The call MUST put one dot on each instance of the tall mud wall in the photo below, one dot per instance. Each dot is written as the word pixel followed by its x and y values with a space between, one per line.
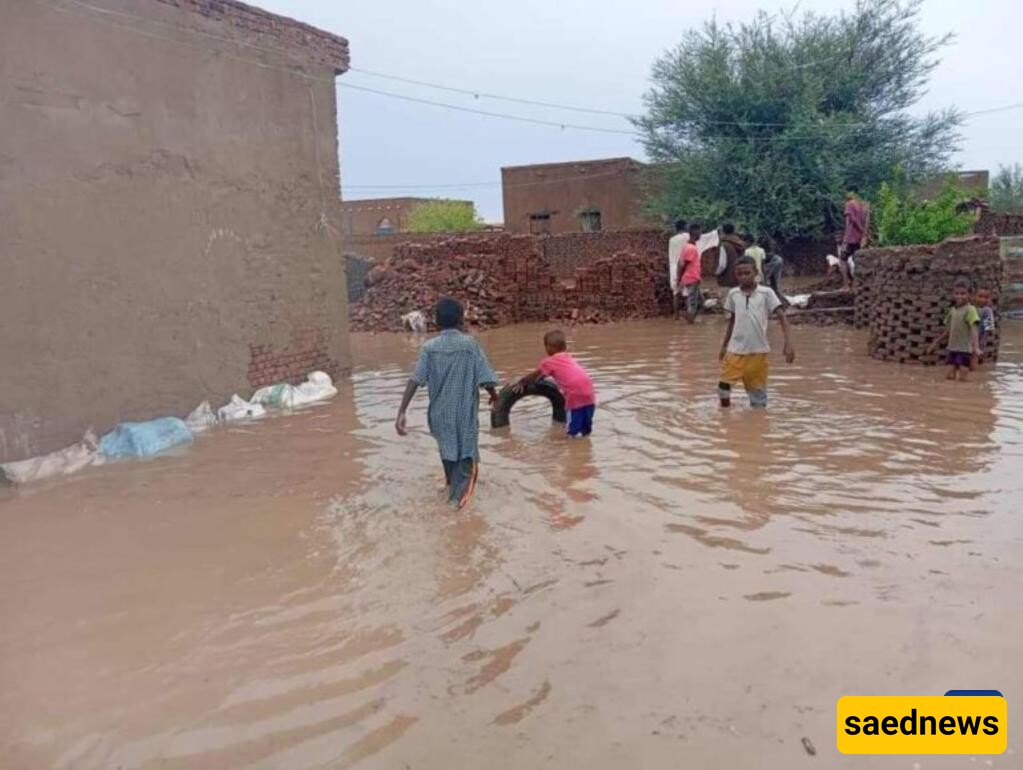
pixel 903 293
pixel 168 205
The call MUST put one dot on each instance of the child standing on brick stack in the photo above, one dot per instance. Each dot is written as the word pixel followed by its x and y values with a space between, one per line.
pixel 453 367
pixel 745 347
pixel 962 322
pixel 572 380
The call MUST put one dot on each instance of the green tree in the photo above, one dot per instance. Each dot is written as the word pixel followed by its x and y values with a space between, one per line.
pixel 1006 192
pixel 769 122
pixel 901 220
pixel 444 216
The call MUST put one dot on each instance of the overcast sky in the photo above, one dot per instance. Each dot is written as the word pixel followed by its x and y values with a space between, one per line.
pixel 590 54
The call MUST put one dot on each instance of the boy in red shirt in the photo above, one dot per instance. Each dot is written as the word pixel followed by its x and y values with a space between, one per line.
pixel 572 380
pixel 689 267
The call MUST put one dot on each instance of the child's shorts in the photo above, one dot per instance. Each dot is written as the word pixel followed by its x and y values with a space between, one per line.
pixel 749 368
pixel 959 358
pixel 580 420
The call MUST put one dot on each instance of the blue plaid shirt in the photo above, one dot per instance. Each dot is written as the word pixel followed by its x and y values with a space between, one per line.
pixel 453 367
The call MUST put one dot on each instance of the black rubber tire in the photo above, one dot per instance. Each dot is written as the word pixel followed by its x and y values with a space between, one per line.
pixel 500 417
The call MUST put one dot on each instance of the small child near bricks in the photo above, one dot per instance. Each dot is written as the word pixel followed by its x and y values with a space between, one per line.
pixel 745 347
pixel 962 333
pixel 987 321
pixel 572 380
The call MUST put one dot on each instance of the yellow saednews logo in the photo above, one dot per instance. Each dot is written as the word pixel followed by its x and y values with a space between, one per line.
pixel 926 724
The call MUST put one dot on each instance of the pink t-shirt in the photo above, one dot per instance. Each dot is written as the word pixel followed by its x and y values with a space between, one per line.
pixel 573 381
pixel 690 265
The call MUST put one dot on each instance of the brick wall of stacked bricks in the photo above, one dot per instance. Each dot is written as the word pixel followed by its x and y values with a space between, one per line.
pixel 274 31
pixel 307 352
pixel 903 293
pixel 568 252
pixel 992 223
pixel 507 279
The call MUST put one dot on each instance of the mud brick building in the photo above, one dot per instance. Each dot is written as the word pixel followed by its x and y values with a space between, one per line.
pixel 584 196
pixel 169 211
pixel 903 293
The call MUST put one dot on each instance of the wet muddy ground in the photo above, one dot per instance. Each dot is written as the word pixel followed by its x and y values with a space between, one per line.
pixel 688 589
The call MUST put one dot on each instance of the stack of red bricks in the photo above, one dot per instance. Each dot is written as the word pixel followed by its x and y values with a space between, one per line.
pixel 307 352
pixel 903 293
pixel 499 280
pixel 624 285
pixel 507 280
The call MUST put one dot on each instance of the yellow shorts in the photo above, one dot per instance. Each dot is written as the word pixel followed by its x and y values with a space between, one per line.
pixel 751 370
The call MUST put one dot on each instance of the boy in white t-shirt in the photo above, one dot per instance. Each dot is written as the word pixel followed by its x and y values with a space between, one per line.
pixel 745 347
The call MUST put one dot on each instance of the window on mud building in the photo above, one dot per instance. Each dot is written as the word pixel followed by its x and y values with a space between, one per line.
pixel 384 227
pixel 589 220
pixel 540 223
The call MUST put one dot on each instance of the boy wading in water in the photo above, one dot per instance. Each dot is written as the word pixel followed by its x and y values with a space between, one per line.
pixel 962 334
pixel 572 380
pixel 453 367
pixel 744 349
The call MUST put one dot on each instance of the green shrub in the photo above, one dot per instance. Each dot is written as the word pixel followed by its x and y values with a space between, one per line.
pixel 901 220
pixel 444 216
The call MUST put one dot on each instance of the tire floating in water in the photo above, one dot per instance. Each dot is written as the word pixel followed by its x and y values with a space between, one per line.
pixel 500 417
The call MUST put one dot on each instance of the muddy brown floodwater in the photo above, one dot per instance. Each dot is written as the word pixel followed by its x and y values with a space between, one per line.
pixel 688 589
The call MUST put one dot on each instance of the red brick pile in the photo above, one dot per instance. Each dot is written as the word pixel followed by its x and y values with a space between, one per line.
pixel 622 286
pixel 500 280
pixel 506 280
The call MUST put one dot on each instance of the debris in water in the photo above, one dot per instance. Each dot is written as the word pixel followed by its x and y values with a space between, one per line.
pixel 810 749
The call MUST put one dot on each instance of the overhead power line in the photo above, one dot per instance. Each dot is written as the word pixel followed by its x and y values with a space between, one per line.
pixel 503 115
pixel 485 95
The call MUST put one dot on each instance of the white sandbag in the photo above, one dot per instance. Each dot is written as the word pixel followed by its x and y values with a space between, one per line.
pixel 60 463
pixel 798 300
pixel 414 321
pixel 317 387
pixel 201 418
pixel 280 396
pixel 832 261
pixel 239 409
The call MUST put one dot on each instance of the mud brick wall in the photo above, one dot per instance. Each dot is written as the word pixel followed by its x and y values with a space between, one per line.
pixel 168 205
pixel 992 223
pixel 568 252
pixel 903 293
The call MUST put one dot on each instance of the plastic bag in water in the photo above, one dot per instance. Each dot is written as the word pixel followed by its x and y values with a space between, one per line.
pixel 145 439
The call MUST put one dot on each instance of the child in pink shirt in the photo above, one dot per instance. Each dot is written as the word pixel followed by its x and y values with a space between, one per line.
pixel 572 380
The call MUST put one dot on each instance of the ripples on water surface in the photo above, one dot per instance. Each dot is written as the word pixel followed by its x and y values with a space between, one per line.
pixel 690 588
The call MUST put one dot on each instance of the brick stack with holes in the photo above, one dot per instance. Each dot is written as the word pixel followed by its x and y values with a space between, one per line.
pixel 625 285
pixel 903 293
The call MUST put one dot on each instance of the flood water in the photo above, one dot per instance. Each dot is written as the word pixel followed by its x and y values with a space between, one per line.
pixel 687 589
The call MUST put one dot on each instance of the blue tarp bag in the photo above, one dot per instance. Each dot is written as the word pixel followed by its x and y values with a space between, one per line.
pixel 144 439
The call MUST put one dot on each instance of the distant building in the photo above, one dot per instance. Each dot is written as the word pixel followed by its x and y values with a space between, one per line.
pixel 975 182
pixel 381 216
pixel 582 196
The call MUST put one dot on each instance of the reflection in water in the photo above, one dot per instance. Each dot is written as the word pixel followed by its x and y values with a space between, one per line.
pixel 295 593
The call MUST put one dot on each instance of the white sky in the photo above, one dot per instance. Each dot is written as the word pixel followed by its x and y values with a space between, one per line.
pixel 591 54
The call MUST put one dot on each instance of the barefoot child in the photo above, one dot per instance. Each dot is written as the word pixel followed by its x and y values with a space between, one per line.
pixel 744 349
pixel 572 380
pixel 961 333
pixel 453 367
